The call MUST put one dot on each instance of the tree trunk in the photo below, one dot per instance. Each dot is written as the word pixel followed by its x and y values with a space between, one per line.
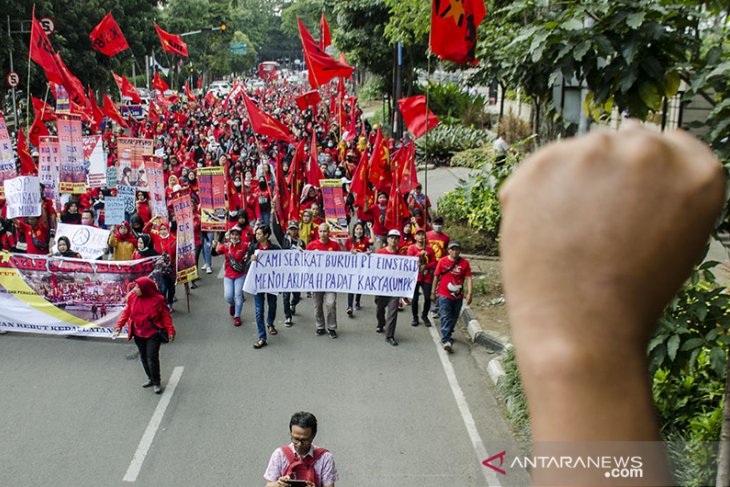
pixel 723 456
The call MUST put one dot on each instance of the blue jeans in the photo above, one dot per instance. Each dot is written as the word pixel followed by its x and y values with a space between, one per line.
pixel 449 310
pixel 233 292
pixel 258 300
pixel 207 241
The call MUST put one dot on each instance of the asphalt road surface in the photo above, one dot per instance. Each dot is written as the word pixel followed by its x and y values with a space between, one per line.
pixel 74 413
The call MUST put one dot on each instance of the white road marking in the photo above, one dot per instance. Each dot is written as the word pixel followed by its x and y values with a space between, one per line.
pixel 149 434
pixel 471 428
pixel 222 272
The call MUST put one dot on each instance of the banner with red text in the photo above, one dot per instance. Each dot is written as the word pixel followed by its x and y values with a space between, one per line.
pixel 53 295
pixel 72 174
pixel 212 184
pixel 187 269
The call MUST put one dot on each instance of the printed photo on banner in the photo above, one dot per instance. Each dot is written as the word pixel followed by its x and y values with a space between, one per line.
pixel 130 163
pixel 90 242
pixel 113 210
pixel 60 296
pixel 72 174
pixel 22 196
pixel 95 161
pixel 212 184
pixel 7 156
pixel 342 272
pixel 156 186
pixel 186 267
pixel 48 166
pixel 333 204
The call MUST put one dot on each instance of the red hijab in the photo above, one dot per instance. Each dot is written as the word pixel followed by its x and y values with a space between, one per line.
pixel 148 306
pixel 127 237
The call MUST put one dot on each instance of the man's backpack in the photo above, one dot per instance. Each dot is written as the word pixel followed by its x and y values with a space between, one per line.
pixel 302 468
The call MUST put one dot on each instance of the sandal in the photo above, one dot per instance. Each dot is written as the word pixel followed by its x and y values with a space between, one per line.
pixel 272 330
pixel 260 344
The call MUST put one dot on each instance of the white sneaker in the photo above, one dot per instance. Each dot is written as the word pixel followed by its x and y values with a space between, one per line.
pixel 208 270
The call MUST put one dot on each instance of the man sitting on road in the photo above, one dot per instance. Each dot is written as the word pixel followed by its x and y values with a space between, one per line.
pixel 301 459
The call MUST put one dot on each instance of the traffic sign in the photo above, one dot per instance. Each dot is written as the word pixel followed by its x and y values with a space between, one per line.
pixel 239 48
pixel 12 79
pixel 47 25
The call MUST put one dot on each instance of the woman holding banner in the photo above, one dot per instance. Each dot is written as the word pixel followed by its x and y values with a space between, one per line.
pixel 149 322
pixel 63 249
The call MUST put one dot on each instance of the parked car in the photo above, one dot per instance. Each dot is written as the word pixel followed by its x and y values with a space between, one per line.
pixel 220 88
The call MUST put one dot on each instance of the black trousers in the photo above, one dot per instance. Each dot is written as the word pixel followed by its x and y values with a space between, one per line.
pixel 289 302
pixel 149 354
pixel 353 297
pixel 426 288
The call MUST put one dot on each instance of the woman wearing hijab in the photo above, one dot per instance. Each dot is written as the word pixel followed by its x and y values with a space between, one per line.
pixel 145 314
pixel 145 247
pixel 136 225
pixel 123 242
pixel 63 249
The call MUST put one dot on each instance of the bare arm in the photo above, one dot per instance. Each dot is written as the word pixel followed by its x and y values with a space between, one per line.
pixel 620 218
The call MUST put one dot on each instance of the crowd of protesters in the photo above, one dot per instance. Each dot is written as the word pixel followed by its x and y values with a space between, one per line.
pixel 189 136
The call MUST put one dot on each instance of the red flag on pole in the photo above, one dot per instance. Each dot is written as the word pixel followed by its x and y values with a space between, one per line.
pixel 27 166
pixel 454 29
pixel 408 180
pixel 41 51
pixel 38 129
pixel 308 99
pixel 111 111
pixel 43 110
pixel 324 34
pixel 153 114
pixel 210 99
pixel 95 110
pixel 313 173
pixel 126 88
pixel 189 93
pixel 171 42
pixel 264 124
pixel 107 37
pixel 360 185
pixel 322 68
pixel 416 116
pixel 159 84
pixel 379 160
pixel 73 86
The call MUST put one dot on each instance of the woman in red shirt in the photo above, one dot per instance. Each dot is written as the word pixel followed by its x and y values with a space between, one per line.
pixel 143 206
pixel 234 251
pixel 359 242
pixel 144 314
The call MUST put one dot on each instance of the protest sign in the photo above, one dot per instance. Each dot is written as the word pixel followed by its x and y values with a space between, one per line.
pixel 72 175
pixel 95 160
pixel 342 272
pixel 156 180
pixel 333 203
pixel 127 193
pixel 113 210
pixel 58 296
pixel 90 242
pixel 48 166
pixel 187 269
pixel 111 177
pixel 130 164
pixel 212 184
pixel 22 196
pixel 7 158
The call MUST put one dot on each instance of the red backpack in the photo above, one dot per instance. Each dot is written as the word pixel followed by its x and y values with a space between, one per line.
pixel 302 468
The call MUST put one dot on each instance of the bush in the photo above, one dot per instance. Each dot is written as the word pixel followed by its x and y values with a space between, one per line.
pixel 472 241
pixel 514 128
pixel 454 106
pixel 512 393
pixel 379 116
pixel 372 89
pixel 473 158
pixel 444 141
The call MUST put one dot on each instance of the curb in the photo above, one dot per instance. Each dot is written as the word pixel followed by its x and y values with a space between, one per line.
pixel 492 342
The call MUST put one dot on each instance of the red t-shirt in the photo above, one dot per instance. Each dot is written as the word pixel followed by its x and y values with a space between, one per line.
pixel 361 246
pixel 451 284
pixel 438 242
pixel 330 246
pixel 426 275
pixel 384 250
pixel 238 252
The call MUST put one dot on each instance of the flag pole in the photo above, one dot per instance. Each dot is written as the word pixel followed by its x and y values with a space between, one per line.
pixel 428 87
pixel 27 94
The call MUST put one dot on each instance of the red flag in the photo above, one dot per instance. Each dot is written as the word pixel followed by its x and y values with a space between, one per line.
pixel 454 29
pixel 200 83
pixel 27 166
pixel 352 128
pixel 396 211
pixel 322 68
pixel 296 181
pixel 171 42
pixel 360 185
pixel 159 84
pixel 43 110
pixel 189 93
pixel 324 34
pixel 95 111
pixel 417 117
pixel 126 88
pixel 310 98
pixel 407 178
pixel 107 37
pixel 153 114
pixel 264 124
pixel 111 111
pixel 343 61
pixel 210 99
pixel 38 129
pixel 73 86
pixel 163 102
pixel 314 174
pixel 41 51
pixel 379 160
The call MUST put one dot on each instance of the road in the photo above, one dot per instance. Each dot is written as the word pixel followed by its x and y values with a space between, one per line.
pixel 74 414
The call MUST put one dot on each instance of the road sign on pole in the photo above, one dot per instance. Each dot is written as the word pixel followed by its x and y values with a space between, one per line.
pixel 12 79
pixel 47 25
